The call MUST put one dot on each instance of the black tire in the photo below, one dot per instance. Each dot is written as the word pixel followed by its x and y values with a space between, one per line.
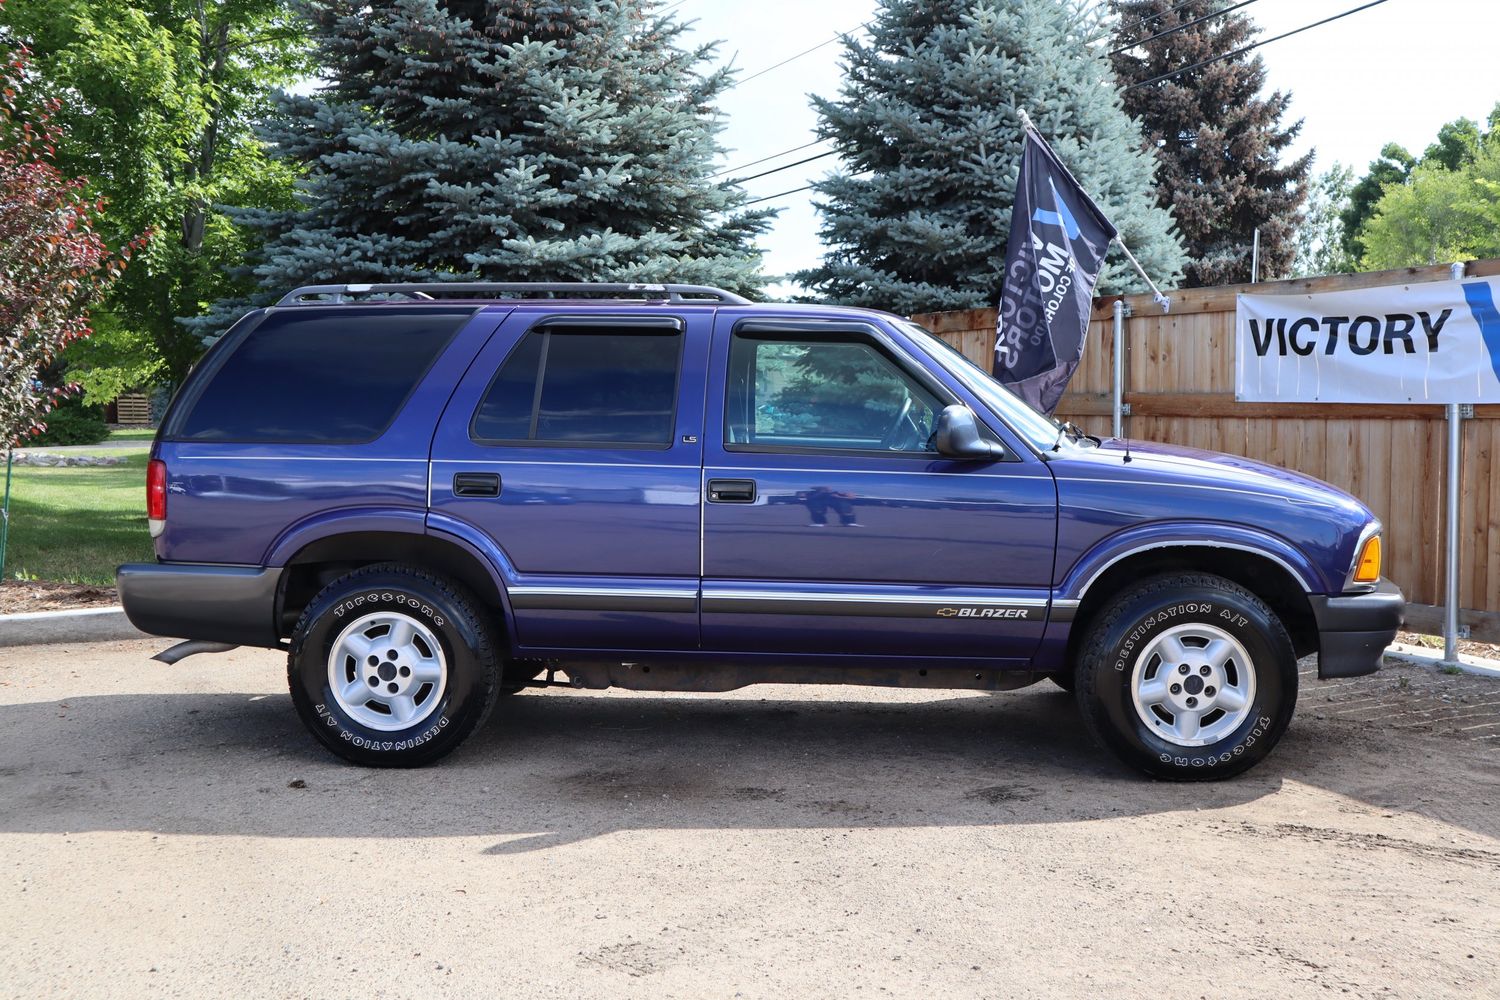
pixel 1064 679
pixel 1131 632
pixel 466 655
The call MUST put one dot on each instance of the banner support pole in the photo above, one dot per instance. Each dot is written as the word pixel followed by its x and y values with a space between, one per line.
pixel 1455 483
pixel 1118 408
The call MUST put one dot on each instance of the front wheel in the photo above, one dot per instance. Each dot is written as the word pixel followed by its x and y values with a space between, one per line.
pixel 392 666
pixel 1187 677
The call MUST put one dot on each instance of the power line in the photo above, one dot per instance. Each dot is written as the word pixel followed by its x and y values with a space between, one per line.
pixel 1142 22
pixel 799 55
pixel 777 170
pixel 1182 27
pixel 1246 48
pixel 783 194
pixel 767 159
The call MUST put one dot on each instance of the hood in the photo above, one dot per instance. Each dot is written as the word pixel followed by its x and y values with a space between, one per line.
pixel 1150 460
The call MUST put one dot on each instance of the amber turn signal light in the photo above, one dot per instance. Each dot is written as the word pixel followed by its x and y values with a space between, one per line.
pixel 1367 565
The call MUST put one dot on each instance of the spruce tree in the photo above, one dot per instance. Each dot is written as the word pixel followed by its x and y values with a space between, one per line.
pixel 1218 141
pixel 928 130
pixel 506 140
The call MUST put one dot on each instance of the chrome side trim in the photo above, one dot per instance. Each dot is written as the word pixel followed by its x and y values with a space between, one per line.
pixel 1296 573
pixel 865 605
pixel 858 598
pixel 540 598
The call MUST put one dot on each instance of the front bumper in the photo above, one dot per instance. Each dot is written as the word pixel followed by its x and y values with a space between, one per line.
pixel 1354 629
pixel 230 604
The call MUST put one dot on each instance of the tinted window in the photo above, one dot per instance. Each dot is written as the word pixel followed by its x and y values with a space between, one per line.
pixel 818 393
pixel 578 386
pixel 318 375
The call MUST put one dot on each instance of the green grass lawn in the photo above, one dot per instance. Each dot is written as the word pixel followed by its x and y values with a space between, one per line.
pixel 76 525
pixel 144 434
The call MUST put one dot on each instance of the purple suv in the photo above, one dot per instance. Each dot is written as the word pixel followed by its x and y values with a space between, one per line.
pixel 431 495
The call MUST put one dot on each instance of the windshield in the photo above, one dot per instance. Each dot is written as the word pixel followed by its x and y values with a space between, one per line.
pixel 1040 430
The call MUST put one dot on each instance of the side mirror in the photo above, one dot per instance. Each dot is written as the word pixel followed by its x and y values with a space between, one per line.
pixel 957 436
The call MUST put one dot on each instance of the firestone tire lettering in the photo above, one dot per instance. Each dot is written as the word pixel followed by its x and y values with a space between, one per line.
pixel 469 646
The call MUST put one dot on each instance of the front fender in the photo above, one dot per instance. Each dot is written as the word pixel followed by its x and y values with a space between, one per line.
pixel 1182 534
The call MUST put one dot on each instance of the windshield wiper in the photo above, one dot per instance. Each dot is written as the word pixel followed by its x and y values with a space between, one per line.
pixel 1067 427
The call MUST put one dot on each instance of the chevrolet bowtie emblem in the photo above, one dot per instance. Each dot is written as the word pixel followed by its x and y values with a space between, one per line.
pixel 947 612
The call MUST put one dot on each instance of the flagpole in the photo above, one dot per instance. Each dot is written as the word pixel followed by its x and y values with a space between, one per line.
pixel 1161 300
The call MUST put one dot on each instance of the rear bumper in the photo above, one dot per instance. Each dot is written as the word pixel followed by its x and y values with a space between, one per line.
pixel 231 604
pixel 1354 629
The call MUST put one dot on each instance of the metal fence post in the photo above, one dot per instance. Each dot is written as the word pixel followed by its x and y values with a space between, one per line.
pixel 1455 483
pixel 1117 411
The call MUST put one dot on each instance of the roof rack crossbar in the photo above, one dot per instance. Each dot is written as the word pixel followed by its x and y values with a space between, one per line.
pixel 334 294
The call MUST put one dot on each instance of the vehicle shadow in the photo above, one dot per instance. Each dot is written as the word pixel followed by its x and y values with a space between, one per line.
pixel 560 767
pixel 555 768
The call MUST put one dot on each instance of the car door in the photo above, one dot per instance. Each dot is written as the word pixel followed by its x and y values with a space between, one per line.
pixel 571 449
pixel 830 525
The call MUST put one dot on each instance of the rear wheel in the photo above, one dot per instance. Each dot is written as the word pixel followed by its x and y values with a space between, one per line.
pixel 392 666
pixel 1187 677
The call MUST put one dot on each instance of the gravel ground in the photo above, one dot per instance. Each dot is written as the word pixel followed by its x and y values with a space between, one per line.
pixel 171 832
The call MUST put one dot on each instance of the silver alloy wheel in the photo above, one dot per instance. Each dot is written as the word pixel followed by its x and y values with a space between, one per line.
pixel 387 671
pixel 1193 684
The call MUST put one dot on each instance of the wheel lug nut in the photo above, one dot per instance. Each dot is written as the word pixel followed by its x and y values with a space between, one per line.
pixel 1209 691
pixel 391 688
pixel 1203 670
pixel 406 672
pixel 374 682
pixel 1177 689
pixel 374 661
pixel 390 654
pixel 1192 702
pixel 1182 669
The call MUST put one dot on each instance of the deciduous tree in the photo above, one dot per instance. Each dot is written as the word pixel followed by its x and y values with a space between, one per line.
pixel 159 101
pixel 53 262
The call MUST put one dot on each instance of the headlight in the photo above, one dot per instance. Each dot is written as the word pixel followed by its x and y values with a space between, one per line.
pixel 1365 572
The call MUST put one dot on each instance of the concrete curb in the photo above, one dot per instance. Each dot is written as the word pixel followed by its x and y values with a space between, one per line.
pixel 1432 659
pixel 83 625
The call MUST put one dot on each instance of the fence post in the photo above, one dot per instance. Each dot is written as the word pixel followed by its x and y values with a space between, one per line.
pixel 10 454
pixel 1117 410
pixel 1455 482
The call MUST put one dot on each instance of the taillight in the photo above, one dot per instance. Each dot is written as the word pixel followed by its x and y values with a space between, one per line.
pixel 156 496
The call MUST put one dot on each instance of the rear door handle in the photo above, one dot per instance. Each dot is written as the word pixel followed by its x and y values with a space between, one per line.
pixel 731 491
pixel 476 484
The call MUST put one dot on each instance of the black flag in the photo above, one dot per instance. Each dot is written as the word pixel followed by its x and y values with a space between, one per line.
pixel 1058 238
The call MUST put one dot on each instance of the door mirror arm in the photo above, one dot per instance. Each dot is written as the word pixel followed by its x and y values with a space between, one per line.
pixel 958 436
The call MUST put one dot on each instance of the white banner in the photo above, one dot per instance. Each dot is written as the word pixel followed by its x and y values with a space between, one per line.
pixel 1433 342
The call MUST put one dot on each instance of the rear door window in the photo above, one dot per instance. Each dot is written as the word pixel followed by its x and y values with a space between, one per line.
pixel 585 385
pixel 317 375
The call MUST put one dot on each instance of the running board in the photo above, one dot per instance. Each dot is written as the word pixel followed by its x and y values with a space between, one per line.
pixel 599 675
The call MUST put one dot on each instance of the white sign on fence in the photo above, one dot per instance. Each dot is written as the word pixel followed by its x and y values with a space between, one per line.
pixel 1433 342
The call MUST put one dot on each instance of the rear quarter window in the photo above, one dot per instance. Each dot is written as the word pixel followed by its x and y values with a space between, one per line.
pixel 316 375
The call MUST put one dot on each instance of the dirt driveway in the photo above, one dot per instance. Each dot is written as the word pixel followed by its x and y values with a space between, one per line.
pixel 170 831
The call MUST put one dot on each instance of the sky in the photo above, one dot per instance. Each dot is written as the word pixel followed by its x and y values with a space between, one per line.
pixel 1395 72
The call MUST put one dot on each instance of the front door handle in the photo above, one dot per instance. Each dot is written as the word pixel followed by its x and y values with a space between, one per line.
pixel 476 484
pixel 731 491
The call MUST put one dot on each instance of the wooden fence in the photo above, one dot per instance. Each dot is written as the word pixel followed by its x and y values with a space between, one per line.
pixel 1179 385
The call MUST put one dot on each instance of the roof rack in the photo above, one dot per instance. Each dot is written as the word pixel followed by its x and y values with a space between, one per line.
pixel 334 294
